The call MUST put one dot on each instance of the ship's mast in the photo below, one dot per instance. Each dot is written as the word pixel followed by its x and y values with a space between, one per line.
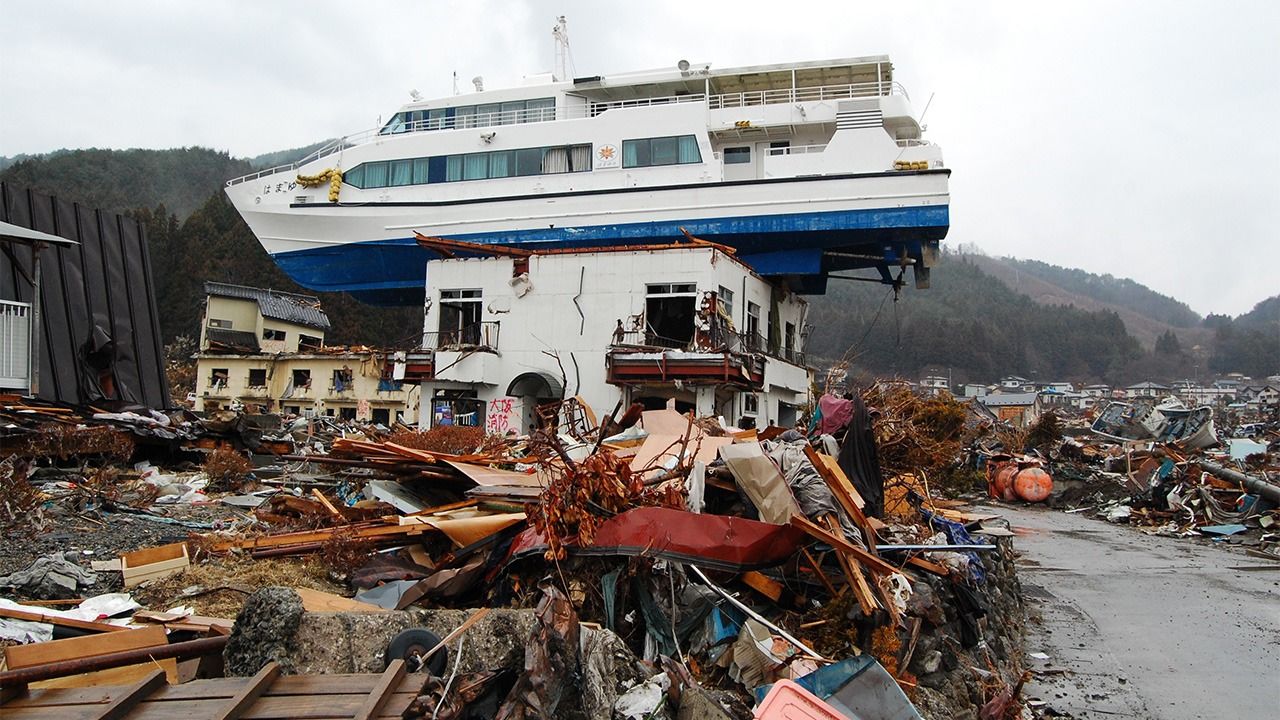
pixel 561 34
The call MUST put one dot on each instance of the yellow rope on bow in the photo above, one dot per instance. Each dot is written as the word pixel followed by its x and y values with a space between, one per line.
pixel 333 176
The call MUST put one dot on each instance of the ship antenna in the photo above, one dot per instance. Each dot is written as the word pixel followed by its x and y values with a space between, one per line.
pixel 455 82
pixel 564 55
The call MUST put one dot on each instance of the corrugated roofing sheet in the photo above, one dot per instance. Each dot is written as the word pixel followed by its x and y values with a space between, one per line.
pixel 286 307
pixel 1008 399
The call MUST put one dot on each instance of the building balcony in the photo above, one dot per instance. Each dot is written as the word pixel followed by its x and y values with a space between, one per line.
pixel 481 336
pixel 419 366
pixel 718 340
pixel 633 366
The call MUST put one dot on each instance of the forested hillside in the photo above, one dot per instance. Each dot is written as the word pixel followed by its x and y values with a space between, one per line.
pixel 969 322
pixel 1113 291
pixel 181 179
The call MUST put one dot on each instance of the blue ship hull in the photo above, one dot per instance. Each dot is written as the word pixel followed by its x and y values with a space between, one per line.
pixel 796 246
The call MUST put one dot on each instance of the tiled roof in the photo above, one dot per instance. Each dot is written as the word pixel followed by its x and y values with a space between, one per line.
pixel 286 307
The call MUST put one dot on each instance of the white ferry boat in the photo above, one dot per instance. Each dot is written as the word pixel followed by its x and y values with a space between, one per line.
pixel 805 168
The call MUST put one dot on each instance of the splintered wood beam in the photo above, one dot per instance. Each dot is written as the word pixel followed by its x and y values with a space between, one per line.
pixel 131 695
pixel 817 569
pixel 817 532
pixel 382 692
pixel 236 706
pixel 853 571
pixel 843 491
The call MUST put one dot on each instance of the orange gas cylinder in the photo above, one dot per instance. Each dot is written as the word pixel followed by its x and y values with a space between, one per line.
pixel 1002 487
pixel 1032 484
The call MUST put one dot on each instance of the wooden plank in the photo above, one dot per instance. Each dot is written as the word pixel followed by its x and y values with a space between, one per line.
pixel 871 562
pixel 55 620
pixel 928 566
pixel 843 491
pixel 853 571
pixel 21 656
pixel 817 569
pixel 318 707
pixel 319 601
pixel 466 625
pixel 121 705
pixel 382 691
pixel 763 585
pixel 320 498
pixel 159 553
pixel 236 706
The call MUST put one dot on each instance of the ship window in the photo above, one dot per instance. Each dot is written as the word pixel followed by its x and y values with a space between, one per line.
pixel 646 152
pixel 375 175
pixel 487 114
pixel 354 177
pixel 737 155
pixel 512 112
pixel 421 168
pixel 500 164
pixel 401 172
pixel 664 151
pixel 475 166
pixel 579 158
pixel 435 119
pixel 541 109
pixel 529 162
pixel 555 160
pixel 454 169
pixel 465 117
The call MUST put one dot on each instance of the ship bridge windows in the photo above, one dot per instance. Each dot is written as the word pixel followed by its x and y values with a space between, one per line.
pixel 471 166
pixel 512 112
pixel 649 152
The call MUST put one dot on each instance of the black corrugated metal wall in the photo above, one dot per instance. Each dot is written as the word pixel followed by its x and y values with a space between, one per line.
pixel 103 283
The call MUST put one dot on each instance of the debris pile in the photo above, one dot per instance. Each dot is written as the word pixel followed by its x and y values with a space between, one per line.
pixel 721 569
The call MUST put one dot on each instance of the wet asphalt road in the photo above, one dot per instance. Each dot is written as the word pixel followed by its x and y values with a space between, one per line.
pixel 1146 626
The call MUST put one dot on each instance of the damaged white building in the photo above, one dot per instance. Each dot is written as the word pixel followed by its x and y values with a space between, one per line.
pixel 513 331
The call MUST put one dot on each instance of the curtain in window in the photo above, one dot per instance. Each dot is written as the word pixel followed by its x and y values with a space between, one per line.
pixel 421 167
pixel 453 170
pixel 555 160
pixel 499 164
pixel 475 166
pixel 375 175
pixel 401 172
pixel 580 158
pixel 631 152
pixel 689 149
pixel 665 151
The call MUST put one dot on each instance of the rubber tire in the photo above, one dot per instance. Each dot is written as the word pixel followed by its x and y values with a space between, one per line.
pixel 417 641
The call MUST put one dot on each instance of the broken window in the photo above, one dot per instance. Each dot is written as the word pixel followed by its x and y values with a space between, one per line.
pixel 343 379
pixel 218 377
pixel 753 327
pixel 258 378
pixel 789 340
pixel 669 314
pixel 301 378
pixel 459 317
pixel 750 404
pixel 224 324
pixel 381 416
pixel 269 334
pixel 726 302
pixel 293 409
pixel 454 407
pixel 347 413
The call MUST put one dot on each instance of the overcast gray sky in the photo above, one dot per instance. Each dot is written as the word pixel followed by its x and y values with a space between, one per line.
pixel 1137 139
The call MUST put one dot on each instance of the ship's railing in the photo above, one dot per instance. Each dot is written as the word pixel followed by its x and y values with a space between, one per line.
pixel 598 107
pixel 804 94
pixel 912 142
pixel 798 150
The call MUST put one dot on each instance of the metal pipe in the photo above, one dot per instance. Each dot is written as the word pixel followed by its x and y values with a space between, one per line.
pixel 756 616
pixel 63 668
pixel 946 548
pixel 1268 490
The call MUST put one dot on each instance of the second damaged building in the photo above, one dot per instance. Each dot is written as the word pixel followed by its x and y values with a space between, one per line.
pixel 513 332
pixel 264 350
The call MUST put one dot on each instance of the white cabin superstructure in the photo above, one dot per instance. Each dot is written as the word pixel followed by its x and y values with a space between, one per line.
pixel 803 168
